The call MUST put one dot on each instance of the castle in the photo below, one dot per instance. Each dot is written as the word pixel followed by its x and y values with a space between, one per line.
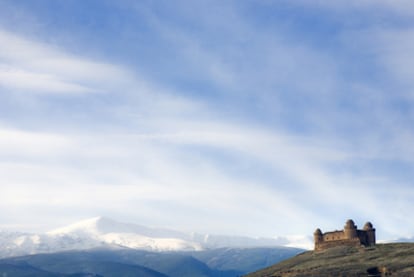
pixel 350 235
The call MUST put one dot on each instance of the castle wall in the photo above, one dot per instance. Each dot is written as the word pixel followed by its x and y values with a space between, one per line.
pixel 334 243
pixel 336 235
pixel 350 235
pixel 362 235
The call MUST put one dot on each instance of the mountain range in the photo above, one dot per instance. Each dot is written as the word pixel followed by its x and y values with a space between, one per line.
pixel 105 232
pixel 101 246
pixel 224 262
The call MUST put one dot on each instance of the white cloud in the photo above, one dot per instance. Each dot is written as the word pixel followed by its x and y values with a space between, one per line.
pixel 26 143
pixel 33 67
pixel 39 83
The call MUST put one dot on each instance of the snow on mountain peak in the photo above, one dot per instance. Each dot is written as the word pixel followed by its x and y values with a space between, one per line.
pixel 105 232
pixel 83 225
pixel 92 226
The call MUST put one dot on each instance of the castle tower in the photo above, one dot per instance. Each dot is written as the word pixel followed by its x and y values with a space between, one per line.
pixel 317 237
pixel 370 231
pixel 350 229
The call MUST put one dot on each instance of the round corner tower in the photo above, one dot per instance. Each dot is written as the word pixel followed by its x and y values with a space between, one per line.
pixel 318 238
pixel 317 235
pixel 350 230
pixel 370 233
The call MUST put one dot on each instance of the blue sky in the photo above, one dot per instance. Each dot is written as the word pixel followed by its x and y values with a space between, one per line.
pixel 258 118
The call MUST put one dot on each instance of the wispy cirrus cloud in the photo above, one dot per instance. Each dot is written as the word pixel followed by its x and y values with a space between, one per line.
pixel 257 118
pixel 34 67
pixel 39 83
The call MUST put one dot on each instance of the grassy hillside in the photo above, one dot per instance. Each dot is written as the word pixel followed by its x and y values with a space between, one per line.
pixel 393 259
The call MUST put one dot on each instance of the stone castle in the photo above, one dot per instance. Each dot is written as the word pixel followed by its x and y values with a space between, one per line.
pixel 350 235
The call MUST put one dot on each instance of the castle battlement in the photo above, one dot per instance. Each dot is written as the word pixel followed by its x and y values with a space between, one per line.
pixel 350 235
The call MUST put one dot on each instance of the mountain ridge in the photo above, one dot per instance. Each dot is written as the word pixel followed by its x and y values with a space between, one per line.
pixel 103 262
pixel 105 232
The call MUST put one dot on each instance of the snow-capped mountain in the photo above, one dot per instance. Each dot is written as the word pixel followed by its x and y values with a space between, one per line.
pixel 105 231
pixel 108 233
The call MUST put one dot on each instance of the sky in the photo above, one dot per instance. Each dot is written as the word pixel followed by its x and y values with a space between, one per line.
pixel 258 118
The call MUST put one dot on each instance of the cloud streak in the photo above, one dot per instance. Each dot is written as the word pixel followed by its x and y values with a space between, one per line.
pixel 33 67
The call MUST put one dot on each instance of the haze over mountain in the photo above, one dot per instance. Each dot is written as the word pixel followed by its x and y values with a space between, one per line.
pixel 108 233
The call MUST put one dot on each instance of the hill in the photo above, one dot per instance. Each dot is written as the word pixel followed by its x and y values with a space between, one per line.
pixel 396 259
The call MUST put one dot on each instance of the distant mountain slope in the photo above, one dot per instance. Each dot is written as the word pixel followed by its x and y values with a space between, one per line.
pixel 178 265
pixel 396 259
pixel 24 270
pixel 72 264
pixel 103 268
pixel 222 262
pixel 116 263
pixel 105 232
pixel 244 260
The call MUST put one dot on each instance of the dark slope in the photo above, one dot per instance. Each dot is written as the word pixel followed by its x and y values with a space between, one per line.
pixel 225 262
pixel 104 268
pixel 394 259
pixel 180 266
pixel 120 263
pixel 245 260
pixel 23 270
pixel 73 264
